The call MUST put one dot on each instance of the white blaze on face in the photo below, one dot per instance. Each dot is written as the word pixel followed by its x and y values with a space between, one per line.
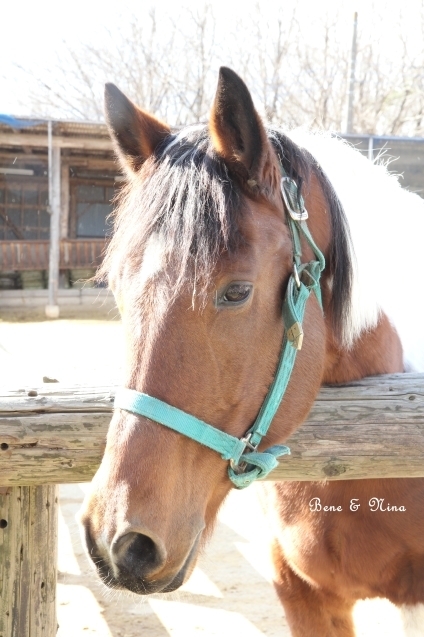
pixel 152 264
pixel 413 620
pixel 152 259
pixel 134 283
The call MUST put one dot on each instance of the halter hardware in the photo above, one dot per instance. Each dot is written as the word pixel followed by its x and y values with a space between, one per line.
pixel 295 335
pixel 246 463
pixel 240 468
pixel 293 199
pixel 296 275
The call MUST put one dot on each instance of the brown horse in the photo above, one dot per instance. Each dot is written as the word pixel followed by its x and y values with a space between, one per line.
pixel 199 264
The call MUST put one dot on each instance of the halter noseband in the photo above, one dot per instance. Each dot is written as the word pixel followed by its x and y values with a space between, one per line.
pixel 246 463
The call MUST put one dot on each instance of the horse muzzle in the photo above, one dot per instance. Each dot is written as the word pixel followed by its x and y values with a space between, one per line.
pixel 139 563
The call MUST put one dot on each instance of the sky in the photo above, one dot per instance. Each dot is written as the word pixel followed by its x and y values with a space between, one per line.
pixel 33 32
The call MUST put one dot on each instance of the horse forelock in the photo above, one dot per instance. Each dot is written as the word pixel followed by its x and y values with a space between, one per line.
pixel 185 198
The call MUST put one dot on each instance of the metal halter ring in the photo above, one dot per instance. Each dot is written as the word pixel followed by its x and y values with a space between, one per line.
pixel 240 468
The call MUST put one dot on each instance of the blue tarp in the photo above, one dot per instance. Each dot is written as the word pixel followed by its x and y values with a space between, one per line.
pixel 14 122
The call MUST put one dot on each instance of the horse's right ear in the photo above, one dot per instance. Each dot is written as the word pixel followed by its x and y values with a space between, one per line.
pixel 135 133
pixel 236 129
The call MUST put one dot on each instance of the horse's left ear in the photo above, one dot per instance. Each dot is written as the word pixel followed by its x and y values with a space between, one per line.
pixel 236 129
pixel 135 133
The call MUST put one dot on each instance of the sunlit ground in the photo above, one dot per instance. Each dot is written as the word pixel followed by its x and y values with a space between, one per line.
pixel 229 593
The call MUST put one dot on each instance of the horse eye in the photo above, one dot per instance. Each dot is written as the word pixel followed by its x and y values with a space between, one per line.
pixel 237 292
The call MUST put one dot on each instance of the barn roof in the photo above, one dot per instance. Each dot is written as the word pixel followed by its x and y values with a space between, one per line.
pixel 64 128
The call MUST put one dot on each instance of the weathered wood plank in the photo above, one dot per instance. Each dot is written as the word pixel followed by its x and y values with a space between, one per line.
pixel 28 549
pixel 59 398
pixel 367 429
pixel 55 398
pixel 51 449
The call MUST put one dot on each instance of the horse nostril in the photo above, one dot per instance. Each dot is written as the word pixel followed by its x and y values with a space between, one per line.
pixel 136 554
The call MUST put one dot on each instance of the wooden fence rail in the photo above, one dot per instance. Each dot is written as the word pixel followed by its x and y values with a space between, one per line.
pixel 373 428
pixel 367 429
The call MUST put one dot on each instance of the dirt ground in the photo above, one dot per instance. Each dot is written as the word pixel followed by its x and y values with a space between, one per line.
pixel 230 591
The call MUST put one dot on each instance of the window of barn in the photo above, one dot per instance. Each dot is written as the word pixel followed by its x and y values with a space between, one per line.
pixel 91 205
pixel 24 210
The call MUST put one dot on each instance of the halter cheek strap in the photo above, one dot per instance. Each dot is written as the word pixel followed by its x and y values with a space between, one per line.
pixel 246 463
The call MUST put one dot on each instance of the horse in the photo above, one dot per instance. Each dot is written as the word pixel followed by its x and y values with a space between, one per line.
pixel 210 251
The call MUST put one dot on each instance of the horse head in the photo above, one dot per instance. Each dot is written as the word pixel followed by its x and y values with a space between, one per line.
pixel 199 263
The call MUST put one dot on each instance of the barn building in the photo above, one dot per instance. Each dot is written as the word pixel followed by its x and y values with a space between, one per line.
pixel 57 180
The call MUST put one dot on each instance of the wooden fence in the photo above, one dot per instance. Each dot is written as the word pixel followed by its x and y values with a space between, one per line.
pixel 373 428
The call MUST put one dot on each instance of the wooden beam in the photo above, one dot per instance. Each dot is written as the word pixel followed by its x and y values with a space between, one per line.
pixel 93 163
pixel 52 309
pixel 40 141
pixel 14 160
pixel 64 200
pixel 373 428
pixel 87 161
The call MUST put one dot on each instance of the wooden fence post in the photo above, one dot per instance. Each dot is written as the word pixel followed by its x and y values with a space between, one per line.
pixel 28 561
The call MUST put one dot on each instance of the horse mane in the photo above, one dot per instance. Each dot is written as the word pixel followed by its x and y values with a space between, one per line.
pixel 298 164
pixel 187 196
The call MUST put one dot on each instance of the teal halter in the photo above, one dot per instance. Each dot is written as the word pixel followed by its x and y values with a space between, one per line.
pixel 246 463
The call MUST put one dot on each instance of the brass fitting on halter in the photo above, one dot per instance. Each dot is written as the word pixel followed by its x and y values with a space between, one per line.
pixel 295 335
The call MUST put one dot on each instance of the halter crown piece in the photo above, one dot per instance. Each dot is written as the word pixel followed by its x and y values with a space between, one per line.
pixel 246 463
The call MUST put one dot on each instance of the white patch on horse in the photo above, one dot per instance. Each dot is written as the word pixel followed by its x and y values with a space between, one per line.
pixel 386 225
pixel 152 258
pixel 413 620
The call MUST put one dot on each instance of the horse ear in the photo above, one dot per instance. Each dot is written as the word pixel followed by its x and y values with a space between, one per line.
pixel 236 129
pixel 135 133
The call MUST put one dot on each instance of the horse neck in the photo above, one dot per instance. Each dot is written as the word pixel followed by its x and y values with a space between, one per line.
pixel 376 351
pixel 386 226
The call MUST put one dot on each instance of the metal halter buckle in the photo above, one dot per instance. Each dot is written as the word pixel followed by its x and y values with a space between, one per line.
pixel 289 191
pixel 240 468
